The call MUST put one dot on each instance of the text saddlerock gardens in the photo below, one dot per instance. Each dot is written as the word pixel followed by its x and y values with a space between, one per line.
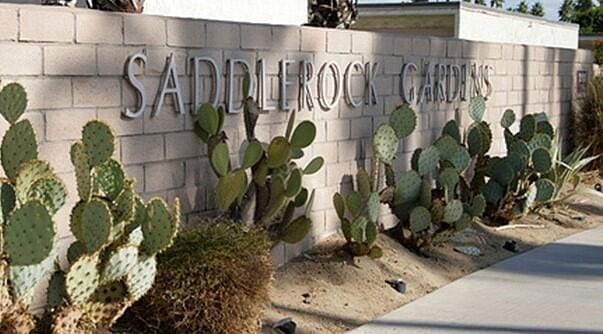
pixel 437 83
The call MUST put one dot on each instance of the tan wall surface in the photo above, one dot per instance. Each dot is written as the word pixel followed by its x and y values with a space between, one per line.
pixel 72 65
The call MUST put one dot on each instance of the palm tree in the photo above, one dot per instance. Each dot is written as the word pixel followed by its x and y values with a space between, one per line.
pixel 537 9
pixel 497 3
pixel 567 11
pixel 584 5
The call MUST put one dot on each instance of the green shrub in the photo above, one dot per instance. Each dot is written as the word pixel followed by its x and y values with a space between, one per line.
pixel 214 279
pixel 588 121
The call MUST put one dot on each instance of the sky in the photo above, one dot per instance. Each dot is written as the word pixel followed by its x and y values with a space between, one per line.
pixel 550 6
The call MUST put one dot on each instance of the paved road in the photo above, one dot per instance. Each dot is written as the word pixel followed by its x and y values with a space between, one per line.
pixel 554 289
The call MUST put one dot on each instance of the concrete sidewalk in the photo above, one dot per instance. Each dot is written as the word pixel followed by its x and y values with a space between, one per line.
pixel 554 289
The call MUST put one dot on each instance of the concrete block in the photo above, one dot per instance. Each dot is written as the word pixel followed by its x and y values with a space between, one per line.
pixel 183 145
pixel 163 176
pixel 9 19
pixel 45 25
pixel 20 59
pixel 313 39
pixel 99 28
pixel 144 30
pixel 185 33
pixel 67 124
pixel 47 93
pixel 141 149
pixel 339 41
pixel 69 60
pixel 256 37
pixel 223 35
pixel 286 38
pixel 96 92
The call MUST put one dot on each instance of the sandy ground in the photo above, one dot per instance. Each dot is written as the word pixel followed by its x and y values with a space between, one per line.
pixel 327 291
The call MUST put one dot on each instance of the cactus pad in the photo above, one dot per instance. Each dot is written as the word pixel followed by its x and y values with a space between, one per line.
pixel 50 191
pixel 294 184
pixel 8 200
pixel 56 290
pixel 453 211
pixel 279 152
pixel 18 146
pixel 96 223
pixel 24 278
pixel 527 127
pixel 493 192
pixel 229 188
pixel 314 166
pixel 209 119
pixel 408 187
pixel 385 143
pixel 478 205
pixel 13 102
pixel 29 173
pixel 354 203
pixel 160 227
pixel 374 207
pixel 540 140
pixel 475 141
pixel 125 203
pixel 426 197
pixel 253 154
pixel 358 229
pixel 75 250
pixel 110 178
pixel 339 205
pixel 502 171
pixel 363 183
pixel 546 190
pixel 140 279
pixel 414 160
pixel 296 230
pixel 542 160
pixel 420 219
pixel 120 262
pixel 29 234
pixel 98 141
pixel 304 135
pixel 452 129
pixel 448 178
pixel 520 147
pixel 220 159
pixel 508 118
pixel 428 160
pixel 546 128
pixel 81 163
pixel 403 120
pixel 82 279
pixel 477 108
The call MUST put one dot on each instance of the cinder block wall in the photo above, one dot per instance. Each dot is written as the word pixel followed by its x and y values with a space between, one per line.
pixel 72 64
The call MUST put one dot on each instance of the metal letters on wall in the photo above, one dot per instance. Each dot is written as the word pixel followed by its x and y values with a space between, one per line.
pixel 418 84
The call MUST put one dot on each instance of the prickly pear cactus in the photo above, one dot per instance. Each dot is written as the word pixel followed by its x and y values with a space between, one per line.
pixel 270 197
pixel 433 200
pixel 112 261
pixel 359 216
pixel 523 179
pixel 29 197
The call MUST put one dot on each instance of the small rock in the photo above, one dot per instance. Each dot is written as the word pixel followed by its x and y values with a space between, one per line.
pixel 579 218
pixel 285 326
pixel 398 284
pixel 469 250
pixel 307 297
pixel 511 246
pixel 599 188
